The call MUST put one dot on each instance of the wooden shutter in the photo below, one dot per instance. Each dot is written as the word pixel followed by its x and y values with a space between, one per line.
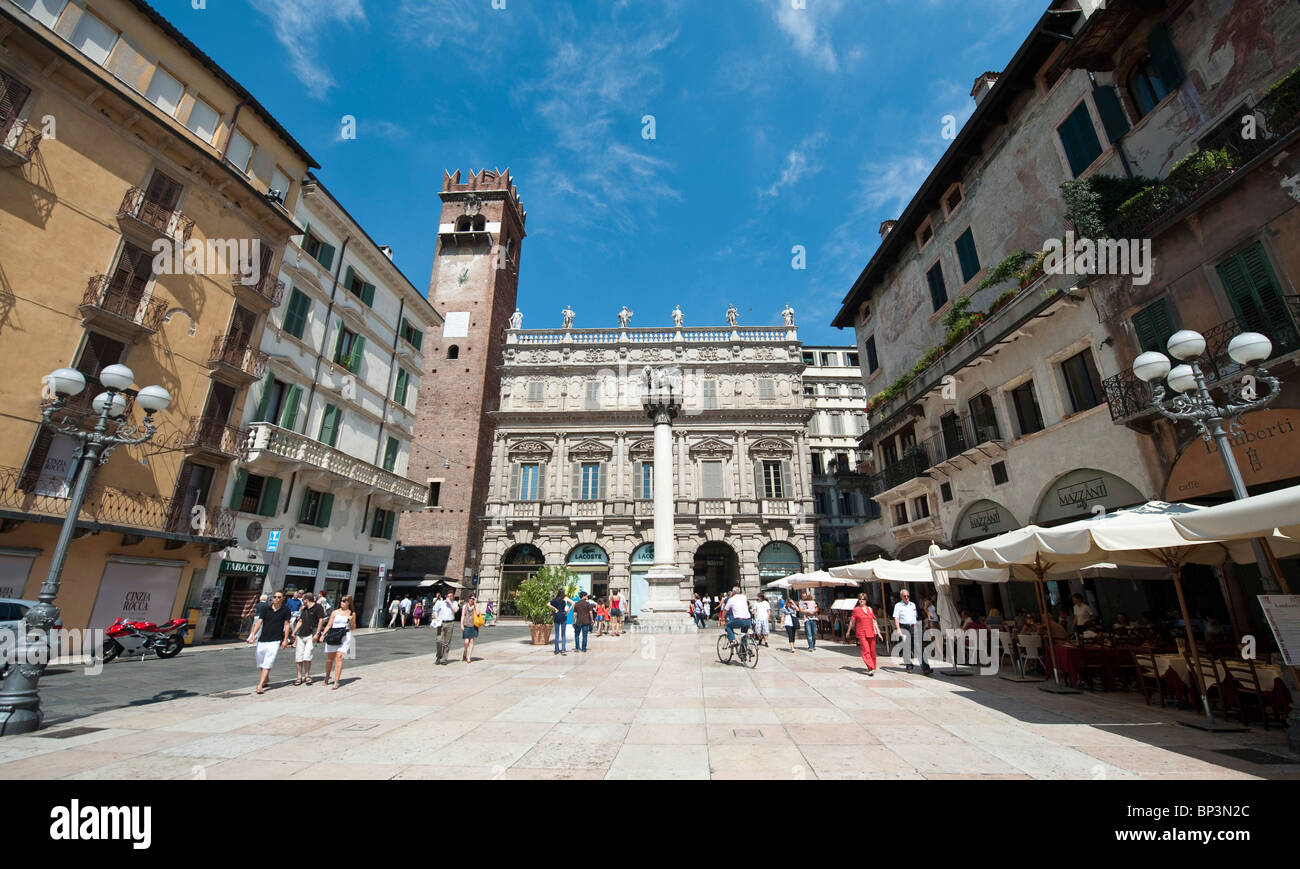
pixel 295 318
pixel 268 386
pixel 329 425
pixel 237 493
pixel 787 487
pixel 1153 326
pixel 390 454
pixel 399 391
pixel 305 508
pixel 347 279
pixel 1164 59
pixel 1079 139
pixel 872 363
pixel 515 473
pixel 326 508
pixel 326 255
pixel 541 481
pixel 163 191
pixel 289 417
pixel 938 292
pixel 368 294
pixel 1112 113
pixel 1252 289
pixel 601 470
pixel 967 256
pixel 638 490
pixel 354 358
pixel 759 490
pixel 270 497
pixel 13 94
pixel 576 470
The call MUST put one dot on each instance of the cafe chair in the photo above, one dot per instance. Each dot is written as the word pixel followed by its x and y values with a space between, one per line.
pixel 1008 648
pixel 1247 690
pixel 1148 676
pixel 1031 649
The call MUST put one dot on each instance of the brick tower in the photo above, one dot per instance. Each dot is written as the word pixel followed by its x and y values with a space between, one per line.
pixel 474 284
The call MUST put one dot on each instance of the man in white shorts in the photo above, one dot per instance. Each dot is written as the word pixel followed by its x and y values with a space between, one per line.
pixel 271 634
pixel 762 619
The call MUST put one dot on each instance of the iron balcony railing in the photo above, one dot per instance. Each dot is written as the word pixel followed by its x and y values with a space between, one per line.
pixel 925 454
pixel 18 140
pixel 165 222
pixel 122 295
pixel 214 436
pixel 235 351
pixel 1129 398
pixel 105 505
pixel 269 287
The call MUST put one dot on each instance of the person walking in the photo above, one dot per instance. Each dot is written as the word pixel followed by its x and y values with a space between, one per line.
pixel 697 609
pixel 583 611
pixel 616 613
pixel 559 613
pixel 864 625
pixel 762 619
pixel 809 608
pixel 406 610
pixel 469 623
pixel 310 616
pixel 338 640
pixel 905 623
pixel 789 621
pixel 444 617
pixel 394 612
pixel 271 634
pixel 602 618
pixel 417 613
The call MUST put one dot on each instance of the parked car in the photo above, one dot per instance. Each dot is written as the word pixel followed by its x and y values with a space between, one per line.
pixel 12 613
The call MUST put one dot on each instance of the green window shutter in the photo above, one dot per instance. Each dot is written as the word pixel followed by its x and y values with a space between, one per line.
pixel 967 256
pixel 270 497
pixel 237 494
pixel 1112 113
pixel 326 257
pixel 326 507
pixel 289 416
pixel 1153 326
pixel 399 391
pixel 938 291
pixel 295 317
pixel 329 425
pixel 268 385
pixel 758 480
pixel 1079 139
pixel 1252 289
pixel 390 519
pixel 354 358
pixel 368 294
pixel 302 239
pixel 514 481
pixel 338 344
pixel 347 279
pixel 390 454
pixel 417 339
pixel 306 505
pixel 1164 59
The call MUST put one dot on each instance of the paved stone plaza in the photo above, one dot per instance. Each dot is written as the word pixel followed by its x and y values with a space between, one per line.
pixel 643 706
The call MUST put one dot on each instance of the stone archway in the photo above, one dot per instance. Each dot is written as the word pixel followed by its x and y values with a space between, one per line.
pixel 716 569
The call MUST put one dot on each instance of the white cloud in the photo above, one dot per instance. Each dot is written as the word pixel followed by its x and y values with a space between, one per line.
pixel 798 165
pixel 807 28
pixel 298 26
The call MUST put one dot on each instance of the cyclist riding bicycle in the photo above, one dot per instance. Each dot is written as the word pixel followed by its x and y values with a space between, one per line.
pixel 737 614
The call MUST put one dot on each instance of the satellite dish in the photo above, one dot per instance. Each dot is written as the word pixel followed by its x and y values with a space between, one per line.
pixel 254 531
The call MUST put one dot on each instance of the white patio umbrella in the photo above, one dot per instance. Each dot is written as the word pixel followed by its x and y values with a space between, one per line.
pixel 1142 535
pixel 816 579
pixel 1273 514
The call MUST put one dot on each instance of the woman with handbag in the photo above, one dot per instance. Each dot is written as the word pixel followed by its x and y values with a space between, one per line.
pixel 470 622
pixel 790 621
pixel 338 639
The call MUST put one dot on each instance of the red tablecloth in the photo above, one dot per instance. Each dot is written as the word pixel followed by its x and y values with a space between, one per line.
pixel 1071 660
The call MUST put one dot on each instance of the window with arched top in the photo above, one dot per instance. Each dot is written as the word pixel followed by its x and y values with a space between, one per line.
pixel 453 352
pixel 480 223
pixel 1145 86
pixel 463 223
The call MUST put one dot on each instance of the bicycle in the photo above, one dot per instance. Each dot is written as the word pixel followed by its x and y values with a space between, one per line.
pixel 746 649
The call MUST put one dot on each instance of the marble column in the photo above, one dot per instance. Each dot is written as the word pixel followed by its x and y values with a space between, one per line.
pixel 665 611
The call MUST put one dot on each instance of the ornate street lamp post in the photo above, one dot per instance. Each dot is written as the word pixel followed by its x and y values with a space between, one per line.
pixel 20 702
pixel 1194 403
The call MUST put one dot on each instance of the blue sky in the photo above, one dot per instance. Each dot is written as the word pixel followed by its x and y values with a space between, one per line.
pixel 775 126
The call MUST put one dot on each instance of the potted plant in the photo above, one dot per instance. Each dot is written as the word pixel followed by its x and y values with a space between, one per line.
pixel 535 595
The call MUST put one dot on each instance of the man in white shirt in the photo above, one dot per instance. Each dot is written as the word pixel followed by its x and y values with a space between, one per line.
pixel 444 618
pixel 406 610
pixel 905 622
pixel 1083 614
pixel 395 612
pixel 762 619
pixel 738 615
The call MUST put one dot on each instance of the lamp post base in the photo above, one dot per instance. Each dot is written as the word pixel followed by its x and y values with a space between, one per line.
pixel 20 706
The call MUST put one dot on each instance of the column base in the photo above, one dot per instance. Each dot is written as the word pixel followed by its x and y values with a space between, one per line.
pixel 665 612
pixel 663 623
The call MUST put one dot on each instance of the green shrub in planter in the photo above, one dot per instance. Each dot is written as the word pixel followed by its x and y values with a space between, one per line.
pixel 1005 270
pixel 535 593
pixel 1092 202
pixel 1281 102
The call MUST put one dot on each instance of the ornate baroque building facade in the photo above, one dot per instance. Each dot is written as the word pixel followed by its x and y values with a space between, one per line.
pixel 571 470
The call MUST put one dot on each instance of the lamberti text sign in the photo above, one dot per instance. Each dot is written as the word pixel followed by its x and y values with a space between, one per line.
pixel 1267 450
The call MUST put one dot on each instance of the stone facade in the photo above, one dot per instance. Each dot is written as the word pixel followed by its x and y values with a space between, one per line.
pixel 573 449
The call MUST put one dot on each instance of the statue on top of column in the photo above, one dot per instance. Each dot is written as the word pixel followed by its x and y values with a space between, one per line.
pixel 733 316
pixel 624 317
pixel 568 316
pixel 678 316
pixel 788 315
pixel 517 319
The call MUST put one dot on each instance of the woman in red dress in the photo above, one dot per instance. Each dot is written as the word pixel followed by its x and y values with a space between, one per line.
pixel 864 625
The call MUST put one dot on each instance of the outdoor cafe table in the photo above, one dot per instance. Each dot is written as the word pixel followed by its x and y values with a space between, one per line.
pixel 1071 660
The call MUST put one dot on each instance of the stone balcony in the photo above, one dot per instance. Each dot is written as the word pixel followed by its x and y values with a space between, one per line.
pixel 665 335
pixel 685 509
pixel 270 449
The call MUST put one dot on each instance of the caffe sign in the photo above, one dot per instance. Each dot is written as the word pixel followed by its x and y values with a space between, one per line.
pixel 984 519
pixel 1267 449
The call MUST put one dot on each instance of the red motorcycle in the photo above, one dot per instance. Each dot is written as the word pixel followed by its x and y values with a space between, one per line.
pixel 165 641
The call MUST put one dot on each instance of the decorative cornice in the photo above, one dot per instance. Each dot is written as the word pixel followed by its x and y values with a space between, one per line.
pixel 529 448
pixel 712 448
pixel 770 447
pixel 591 449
